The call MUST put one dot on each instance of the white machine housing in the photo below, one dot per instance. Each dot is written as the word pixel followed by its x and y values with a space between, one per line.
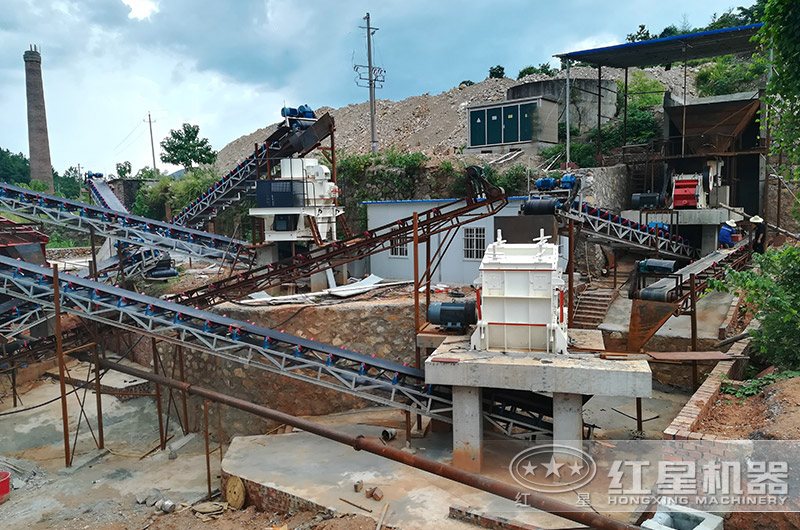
pixel 521 304
pixel 319 206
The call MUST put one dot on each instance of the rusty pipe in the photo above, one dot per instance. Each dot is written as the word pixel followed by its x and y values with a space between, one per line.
pixel 361 443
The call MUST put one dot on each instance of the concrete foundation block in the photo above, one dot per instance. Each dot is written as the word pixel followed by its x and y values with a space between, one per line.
pixel 675 517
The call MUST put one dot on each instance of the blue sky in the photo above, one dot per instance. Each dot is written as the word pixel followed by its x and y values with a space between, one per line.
pixel 228 66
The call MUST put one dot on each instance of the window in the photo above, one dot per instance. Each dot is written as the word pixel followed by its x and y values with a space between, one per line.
pixel 474 242
pixel 399 249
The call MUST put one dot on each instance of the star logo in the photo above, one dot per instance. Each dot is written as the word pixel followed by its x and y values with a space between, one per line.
pixel 552 467
pixel 576 468
pixel 529 468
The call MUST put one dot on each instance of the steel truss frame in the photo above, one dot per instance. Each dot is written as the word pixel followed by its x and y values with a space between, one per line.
pixel 342 370
pixel 615 231
pixel 483 200
pixel 131 229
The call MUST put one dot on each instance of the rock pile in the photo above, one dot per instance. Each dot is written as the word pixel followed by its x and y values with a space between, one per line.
pixel 24 474
pixel 435 125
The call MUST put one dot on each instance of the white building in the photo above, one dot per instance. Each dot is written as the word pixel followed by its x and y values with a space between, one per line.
pixel 460 264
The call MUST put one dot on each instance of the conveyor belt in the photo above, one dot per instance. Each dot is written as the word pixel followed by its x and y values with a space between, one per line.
pixel 104 196
pixel 610 227
pixel 284 142
pixel 365 376
pixel 132 229
pixel 664 290
pixel 483 200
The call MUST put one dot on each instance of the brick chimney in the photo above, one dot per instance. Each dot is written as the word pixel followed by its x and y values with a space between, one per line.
pixel 38 142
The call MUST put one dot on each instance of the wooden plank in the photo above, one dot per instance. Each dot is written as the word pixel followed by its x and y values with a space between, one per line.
pixel 689 356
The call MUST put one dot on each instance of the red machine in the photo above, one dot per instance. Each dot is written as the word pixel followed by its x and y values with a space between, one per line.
pixel 691 191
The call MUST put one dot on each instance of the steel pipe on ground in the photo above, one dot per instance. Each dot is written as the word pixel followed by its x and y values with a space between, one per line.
pixel 361 443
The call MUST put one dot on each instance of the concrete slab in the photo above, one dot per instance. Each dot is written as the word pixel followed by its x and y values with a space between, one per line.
pixel 100 494
pixel 711 312
pixel 707 216
pixel 453 363
pixel 586 339
pixel 321 471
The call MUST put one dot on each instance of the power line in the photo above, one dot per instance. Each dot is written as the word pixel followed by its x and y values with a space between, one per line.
pixel 128 135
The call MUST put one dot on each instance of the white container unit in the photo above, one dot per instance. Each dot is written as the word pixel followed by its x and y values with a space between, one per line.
pixel 521 298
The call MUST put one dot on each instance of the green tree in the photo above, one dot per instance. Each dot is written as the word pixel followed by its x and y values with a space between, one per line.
pixel 497 72
pixel 780 35
pixel 36 185
pixel 148 173
pixel 69 185
pixel 773 289
pixel 466 82
pixel 639 35
pixel 15 168
pixel 543 68
pixel 184 147
pixel 123 169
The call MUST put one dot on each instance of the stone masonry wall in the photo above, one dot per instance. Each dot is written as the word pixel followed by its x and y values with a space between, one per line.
pixel 607 187
pixel 384 329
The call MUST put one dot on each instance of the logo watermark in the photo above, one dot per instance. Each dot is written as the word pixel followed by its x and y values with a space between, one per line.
pixel 552 468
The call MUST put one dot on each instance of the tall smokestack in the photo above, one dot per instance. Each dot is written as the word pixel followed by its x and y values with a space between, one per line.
pixel 38 142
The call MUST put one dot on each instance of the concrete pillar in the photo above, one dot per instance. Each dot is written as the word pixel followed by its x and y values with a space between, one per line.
pixel 319 281
pixel 709 236
pixel 567 419
pixel 467 428
pixel 38 142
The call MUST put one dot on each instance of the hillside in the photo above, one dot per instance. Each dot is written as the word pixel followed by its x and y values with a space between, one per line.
pixel 436 125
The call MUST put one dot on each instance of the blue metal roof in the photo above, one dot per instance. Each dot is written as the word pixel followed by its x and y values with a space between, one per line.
pixel 700 45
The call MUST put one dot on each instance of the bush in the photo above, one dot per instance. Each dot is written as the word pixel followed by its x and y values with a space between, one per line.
pixel 773 288
pixel 728 75
pixel 497 72
pixel 580 153
pixel 466 82
pixel 643 127
pixel 637 84
pixel 390 174
pixel 562 131
pixel 514 180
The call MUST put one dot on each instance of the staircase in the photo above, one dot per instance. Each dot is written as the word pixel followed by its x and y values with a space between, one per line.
pixel 592 307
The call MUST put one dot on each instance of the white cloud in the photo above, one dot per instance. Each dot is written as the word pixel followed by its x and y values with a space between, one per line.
pixel 141 9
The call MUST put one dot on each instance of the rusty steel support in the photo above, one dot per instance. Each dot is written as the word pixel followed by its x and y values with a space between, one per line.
pixel 121 265
pixel 415 222
pixel 693 295
pixel 98 395
pixel 428 282
pixel 62 367
pixel 161 436
pixel 183 394
pixel 208 448
pixel 571 274
pixel 375 446
pixel 95 272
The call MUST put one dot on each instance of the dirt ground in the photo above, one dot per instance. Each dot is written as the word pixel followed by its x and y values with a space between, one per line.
pixel 249 518
pixel 774 414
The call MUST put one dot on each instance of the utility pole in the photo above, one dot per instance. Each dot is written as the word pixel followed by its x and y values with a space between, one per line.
pixel 374 76
pixel 152 147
